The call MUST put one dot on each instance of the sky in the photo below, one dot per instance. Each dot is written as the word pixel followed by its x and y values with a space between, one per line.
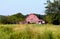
pixel 10 7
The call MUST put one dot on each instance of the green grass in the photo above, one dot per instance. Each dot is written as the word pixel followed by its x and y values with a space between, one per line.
pixel 29 31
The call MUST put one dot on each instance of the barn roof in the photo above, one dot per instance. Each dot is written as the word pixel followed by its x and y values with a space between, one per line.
pixel 38 15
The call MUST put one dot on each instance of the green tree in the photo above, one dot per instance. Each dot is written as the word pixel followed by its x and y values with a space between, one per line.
pixel 52 11
pixel 3 19
pixel 13 19
pixel 16 18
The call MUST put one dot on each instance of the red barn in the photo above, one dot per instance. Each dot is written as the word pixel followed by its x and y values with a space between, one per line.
pixel 32 18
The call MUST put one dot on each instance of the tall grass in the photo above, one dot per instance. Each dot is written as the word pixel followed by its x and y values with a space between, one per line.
pixel 29 31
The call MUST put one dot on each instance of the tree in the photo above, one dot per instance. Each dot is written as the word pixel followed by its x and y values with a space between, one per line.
pixel 52 11
pixel 16 18
pixel 13 19
pixel 3 19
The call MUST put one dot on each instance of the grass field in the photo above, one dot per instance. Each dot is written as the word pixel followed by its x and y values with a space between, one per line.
pixel 29 31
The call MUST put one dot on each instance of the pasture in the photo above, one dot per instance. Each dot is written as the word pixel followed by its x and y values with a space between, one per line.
pixel 29 31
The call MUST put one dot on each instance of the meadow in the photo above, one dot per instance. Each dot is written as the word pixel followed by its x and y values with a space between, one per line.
pixel 29 31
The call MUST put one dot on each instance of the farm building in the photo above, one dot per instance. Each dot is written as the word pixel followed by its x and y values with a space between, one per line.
pixel 32 18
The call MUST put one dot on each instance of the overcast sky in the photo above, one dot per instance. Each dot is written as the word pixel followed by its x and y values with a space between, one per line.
pixel 9 7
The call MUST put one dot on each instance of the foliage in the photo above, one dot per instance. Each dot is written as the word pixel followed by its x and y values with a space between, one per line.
pixel 13 19
pixel 40 16
pixel 3 19
pixel 52 11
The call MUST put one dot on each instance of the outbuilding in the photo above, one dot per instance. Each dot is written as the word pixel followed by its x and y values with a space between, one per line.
pixel 32 18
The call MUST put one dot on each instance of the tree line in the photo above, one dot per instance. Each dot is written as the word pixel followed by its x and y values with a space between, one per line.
pixel 15 18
